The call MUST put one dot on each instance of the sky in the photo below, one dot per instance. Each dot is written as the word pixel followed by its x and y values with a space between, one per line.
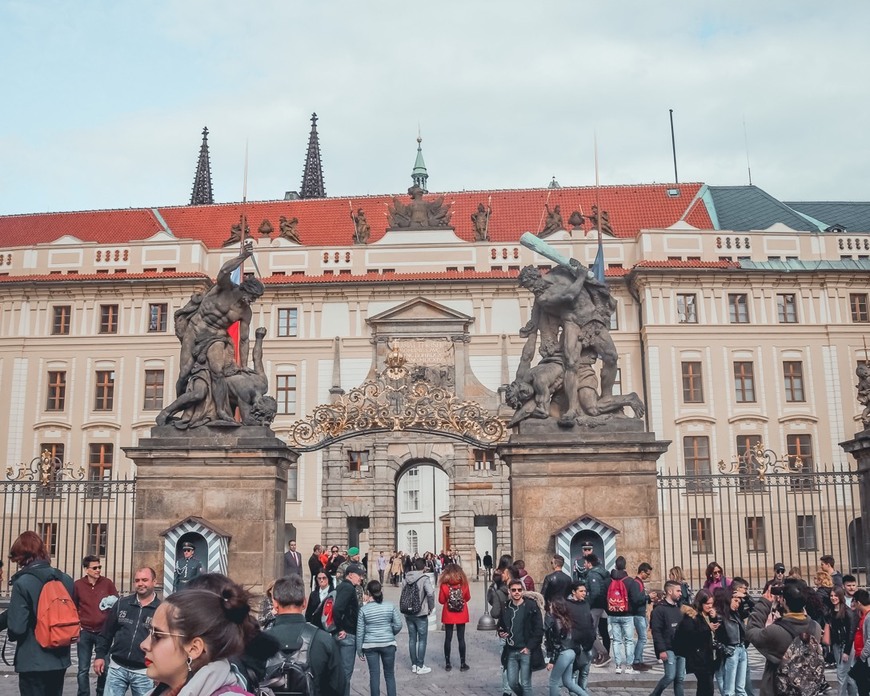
pixel 105 101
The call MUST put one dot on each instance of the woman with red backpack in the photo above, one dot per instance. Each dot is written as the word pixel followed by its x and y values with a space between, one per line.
pixel 455 595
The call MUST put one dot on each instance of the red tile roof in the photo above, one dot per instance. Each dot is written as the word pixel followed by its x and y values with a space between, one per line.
pixel 674 263
pixel 327 222
pixel 66 277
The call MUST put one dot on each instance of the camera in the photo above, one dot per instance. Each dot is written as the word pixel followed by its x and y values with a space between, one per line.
pixel 777 589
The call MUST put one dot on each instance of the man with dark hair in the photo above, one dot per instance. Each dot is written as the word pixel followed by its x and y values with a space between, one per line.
pixel 827 563
pixel 126 627
pixel 487 565
pixel 288 603
pixel 314 565
pixel 90 594
pixel 522 628
pixel 772 641
pixel 583 630
pixel 644 570
pixel 528 582
pixel 345 611
pixel 620 621
pixel 597 580
pixel 556 584
pixel 850 586
pixel 418 625
pixel 292 559
pixel 665 618
pixel 778 577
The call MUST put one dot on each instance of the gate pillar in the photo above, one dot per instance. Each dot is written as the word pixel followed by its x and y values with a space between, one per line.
pixel 605 474
pixel 859 447
pixel 236 478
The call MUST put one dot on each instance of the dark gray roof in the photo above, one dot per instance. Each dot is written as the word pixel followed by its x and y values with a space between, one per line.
pixel 798 265
pixel 855 217
pixel 744 208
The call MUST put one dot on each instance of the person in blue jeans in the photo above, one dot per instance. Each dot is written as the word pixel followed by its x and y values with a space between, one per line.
pixel 665 618
pixel 522 628
pixel 376 630
pixel 418 625
pixel 731 634
pixel 644 570
pixel 560 654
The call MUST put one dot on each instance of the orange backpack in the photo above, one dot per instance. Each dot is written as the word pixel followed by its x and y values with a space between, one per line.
pixel 57 619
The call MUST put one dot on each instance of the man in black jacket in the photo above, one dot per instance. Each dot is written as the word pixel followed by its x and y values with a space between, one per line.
pixel 663 622
pixel 522 628
pixel 345 611
pixel 324 660
pixel 126 627
pixel 557 584
pixel 583 631
pixel 597 580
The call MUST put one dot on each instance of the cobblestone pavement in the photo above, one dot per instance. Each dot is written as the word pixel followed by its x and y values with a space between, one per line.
pixel 484 677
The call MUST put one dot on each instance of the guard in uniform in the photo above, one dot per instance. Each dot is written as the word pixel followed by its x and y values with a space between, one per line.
pixel 188 567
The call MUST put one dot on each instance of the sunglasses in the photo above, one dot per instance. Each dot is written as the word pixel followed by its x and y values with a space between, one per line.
pixel 516 590
pixel 156 635
pixel 95 568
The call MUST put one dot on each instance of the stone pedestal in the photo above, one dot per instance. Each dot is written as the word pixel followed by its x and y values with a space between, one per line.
pixel 232 478
pixel 859 447
pixel 601 481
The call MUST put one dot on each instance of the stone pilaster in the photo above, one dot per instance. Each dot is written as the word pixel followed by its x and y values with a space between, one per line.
pixel 859 447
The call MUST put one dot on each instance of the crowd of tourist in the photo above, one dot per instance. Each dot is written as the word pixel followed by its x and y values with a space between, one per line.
pixel 205 640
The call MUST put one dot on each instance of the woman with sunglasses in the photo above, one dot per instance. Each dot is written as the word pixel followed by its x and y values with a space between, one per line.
pixel 716 578
pixel 193 635
pixel 317 598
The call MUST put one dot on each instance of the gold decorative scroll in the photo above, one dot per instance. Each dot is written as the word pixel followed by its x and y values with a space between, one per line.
pixel 46 469
pixel 760 462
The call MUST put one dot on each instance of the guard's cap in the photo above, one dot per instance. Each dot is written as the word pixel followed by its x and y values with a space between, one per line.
pixel 187 546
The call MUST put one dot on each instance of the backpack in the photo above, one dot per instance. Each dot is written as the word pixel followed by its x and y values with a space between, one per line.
pixel 327 620
pixel 410 601
pixel 57 619
pixel 596 586
pixel 617 597
pixel 288 670
pixel 801 670
pixel 455 600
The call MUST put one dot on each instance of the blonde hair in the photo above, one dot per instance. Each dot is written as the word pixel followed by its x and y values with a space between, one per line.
pixel 823 579
pixel 676 574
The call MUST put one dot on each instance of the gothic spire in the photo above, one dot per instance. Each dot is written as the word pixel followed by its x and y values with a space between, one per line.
pixel 312 176
pixel 202 193
pixel 419 175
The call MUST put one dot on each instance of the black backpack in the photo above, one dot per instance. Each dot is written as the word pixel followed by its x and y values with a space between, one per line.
pixel 410 601
pixel 288 670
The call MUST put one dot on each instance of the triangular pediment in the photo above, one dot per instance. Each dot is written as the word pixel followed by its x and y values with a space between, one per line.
pixel 587 522
pixel 67 239
pixel 162 236
pixel 197 524
pixel 420 310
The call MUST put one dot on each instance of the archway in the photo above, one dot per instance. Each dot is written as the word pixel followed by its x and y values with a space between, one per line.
pixel 422 499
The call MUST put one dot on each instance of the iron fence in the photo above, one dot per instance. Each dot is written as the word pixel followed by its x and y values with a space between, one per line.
pixel 747 522
pixel 75 519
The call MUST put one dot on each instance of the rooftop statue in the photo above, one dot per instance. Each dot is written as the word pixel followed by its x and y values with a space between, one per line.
pixel 863 373
pixel 288 229
pixel 554 221
pixel 236 232
pixel 419 214
pixel 211 386
pixel 570 329
pixel 361 228
pixel 480 222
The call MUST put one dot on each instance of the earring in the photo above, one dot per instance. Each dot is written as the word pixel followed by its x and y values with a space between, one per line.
pixel 189 663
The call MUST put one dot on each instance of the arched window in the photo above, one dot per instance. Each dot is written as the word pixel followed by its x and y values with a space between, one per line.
pixel 412 542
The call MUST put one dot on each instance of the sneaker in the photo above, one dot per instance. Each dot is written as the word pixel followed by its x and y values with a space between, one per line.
pixel 464 668
pixel 414 669
pixel 619 669
pixel 423 669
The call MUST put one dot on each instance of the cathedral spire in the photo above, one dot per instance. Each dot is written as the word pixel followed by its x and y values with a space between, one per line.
pixel 419 175
pixel 202 193
pixel 312 176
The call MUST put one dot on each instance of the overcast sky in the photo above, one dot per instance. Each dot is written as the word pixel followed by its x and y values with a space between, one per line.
pixel 104 101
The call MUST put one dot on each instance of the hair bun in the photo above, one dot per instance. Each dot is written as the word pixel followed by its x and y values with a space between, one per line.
pixel 235 603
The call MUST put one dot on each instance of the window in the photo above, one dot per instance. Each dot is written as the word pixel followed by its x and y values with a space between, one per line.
pixel 696 454
pixel 104 390
pixel 357 460
pixel 858 307
pixel 287 322
pixel 98 534
pixel 285 389
pixel 746 465
pixel 738 308
pixel 412 542
pixel 786 308
pixel 411 494
pixel 800 449
pixel 700 531
pixel 617 382
pixel 56 391
pixel 693 391
pixel 614 321
pixel 806 532
pixel 755 540
pixel 793 376
pixel 744 382
pixel 60 320
pixel 48 532
pixel 153 390
pixel 100 458
pixel 108 319
pixel 157 317
pixel 484 460
pixel 686 309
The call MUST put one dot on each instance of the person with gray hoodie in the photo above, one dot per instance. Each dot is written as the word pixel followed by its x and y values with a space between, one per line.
pixel 418 624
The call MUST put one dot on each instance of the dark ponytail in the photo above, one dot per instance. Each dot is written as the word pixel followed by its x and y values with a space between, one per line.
pixel 375 591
